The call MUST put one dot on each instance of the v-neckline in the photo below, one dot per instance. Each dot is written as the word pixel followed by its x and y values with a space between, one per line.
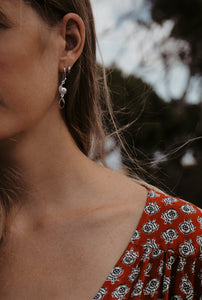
pixel 142 219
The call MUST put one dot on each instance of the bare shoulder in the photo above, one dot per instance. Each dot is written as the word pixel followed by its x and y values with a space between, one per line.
pixel 122 199
pixel 118 188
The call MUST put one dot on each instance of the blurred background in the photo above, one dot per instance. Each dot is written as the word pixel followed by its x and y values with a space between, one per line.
pixel 153 53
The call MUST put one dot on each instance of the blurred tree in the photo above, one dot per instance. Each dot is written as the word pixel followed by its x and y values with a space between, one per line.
pixel 183 44
pixel 165 137
pixel 157 131
pixel 187 15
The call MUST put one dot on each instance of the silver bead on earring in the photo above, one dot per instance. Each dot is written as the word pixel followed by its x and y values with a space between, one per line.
pixel 62 89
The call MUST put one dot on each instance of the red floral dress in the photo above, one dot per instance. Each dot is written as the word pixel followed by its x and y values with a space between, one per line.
pixel 164 257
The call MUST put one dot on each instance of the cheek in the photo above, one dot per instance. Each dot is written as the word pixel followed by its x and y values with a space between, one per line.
pixel 28 86
pixel 26 74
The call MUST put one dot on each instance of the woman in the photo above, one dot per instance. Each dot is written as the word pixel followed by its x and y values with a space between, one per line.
pixel 66 221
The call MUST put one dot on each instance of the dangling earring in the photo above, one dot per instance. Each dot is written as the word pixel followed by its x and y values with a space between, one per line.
pixel 62 89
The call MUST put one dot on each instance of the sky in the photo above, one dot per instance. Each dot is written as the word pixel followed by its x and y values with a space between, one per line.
pixel 136 49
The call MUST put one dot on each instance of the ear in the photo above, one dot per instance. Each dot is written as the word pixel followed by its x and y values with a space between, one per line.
pixel 73 34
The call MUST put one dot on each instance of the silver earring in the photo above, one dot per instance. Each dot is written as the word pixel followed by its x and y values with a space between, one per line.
pixel 62 89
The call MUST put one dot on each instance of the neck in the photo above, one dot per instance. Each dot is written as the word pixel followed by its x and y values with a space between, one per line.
pixel 54 171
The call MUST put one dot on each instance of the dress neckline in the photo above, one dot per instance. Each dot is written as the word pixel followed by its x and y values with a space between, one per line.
pixel 141 221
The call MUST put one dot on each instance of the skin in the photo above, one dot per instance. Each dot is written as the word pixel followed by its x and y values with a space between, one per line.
pixel 68 198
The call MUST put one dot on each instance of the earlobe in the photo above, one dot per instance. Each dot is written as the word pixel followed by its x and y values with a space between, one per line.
pixel 73 31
